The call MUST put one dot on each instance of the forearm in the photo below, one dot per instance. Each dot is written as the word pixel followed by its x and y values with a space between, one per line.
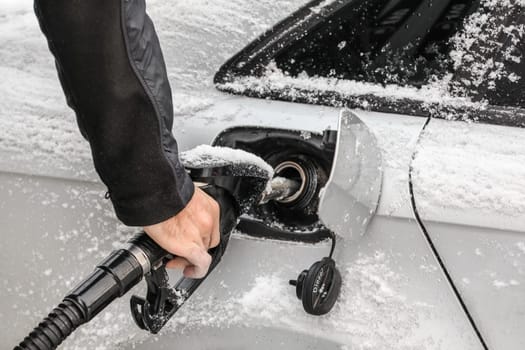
pixel 113 73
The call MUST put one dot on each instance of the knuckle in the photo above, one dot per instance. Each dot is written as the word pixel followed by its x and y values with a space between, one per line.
pixel 207 260
pixel 215 240
pixel 193 233
pixel 207 222
pixel 215 206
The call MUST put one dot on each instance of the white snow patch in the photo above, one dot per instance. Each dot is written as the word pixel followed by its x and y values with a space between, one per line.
pixel 8 7
pixel 197 37
pixel 470 166
pixel 318 9
pixel 500 284
pixel 204 156
pixel 306 135
pixel 488 43
pixel 274 79
pixel 369 304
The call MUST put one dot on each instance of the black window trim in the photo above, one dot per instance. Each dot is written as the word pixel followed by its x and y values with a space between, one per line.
pixel 253 59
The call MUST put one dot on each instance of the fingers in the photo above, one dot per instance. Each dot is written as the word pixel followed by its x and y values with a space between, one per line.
pixel 195 265
pixel 213 238
pixel 200 263
pixel 178 263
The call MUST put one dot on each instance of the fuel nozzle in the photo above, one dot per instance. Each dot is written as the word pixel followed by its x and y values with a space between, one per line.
pixel 162 300
pixel 280 189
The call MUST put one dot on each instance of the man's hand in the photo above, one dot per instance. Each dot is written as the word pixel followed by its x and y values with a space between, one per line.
pixel 190 234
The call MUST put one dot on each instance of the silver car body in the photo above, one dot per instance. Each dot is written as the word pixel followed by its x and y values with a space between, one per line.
pixel 396 295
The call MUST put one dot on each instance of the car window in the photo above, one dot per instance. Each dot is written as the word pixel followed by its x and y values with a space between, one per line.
pixel 488 55
pixel 459 59
pixel 401 42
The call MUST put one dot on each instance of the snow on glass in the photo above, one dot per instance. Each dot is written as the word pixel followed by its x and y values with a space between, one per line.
pixel 489 48
pixel 482 57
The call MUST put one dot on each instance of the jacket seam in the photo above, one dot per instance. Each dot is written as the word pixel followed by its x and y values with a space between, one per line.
pixel 145 86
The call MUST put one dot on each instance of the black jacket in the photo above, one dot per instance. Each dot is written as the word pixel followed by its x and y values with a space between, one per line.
pixel 112 71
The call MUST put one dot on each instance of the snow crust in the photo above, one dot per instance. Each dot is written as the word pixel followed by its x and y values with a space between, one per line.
pixel 34 118
pixel 274 79
pixel 205 155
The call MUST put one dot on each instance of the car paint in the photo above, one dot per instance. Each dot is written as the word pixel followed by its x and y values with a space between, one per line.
pixel 395 296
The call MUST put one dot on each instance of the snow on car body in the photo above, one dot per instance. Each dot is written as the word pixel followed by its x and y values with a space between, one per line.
pixel 452 279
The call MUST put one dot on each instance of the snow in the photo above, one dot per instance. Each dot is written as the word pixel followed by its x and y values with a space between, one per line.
pixel 303 85
pixel 434 97
pixel 9 7
pixel 34 118
pixel 197 37
pixel 270 301
pixel 504 284
pixel 205 155
pixel 482 38
pixel 36 123
pixel 318 9
pixel 489 181
pixel 481 55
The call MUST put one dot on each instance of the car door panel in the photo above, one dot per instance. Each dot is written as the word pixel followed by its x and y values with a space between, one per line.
pixel 394 297
pixel 469 190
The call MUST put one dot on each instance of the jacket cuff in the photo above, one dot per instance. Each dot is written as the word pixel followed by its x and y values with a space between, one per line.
pixel 157 207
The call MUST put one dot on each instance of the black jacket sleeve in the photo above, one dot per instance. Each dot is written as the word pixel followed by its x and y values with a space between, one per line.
pixel 112 71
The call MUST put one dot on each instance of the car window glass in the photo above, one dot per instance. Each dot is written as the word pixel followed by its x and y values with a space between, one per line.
pixel 488 55
pixel 461 53
pixel 401 42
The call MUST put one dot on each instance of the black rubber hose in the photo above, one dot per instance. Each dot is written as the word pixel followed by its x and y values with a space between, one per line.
pixel 55 328
pixel 112 278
